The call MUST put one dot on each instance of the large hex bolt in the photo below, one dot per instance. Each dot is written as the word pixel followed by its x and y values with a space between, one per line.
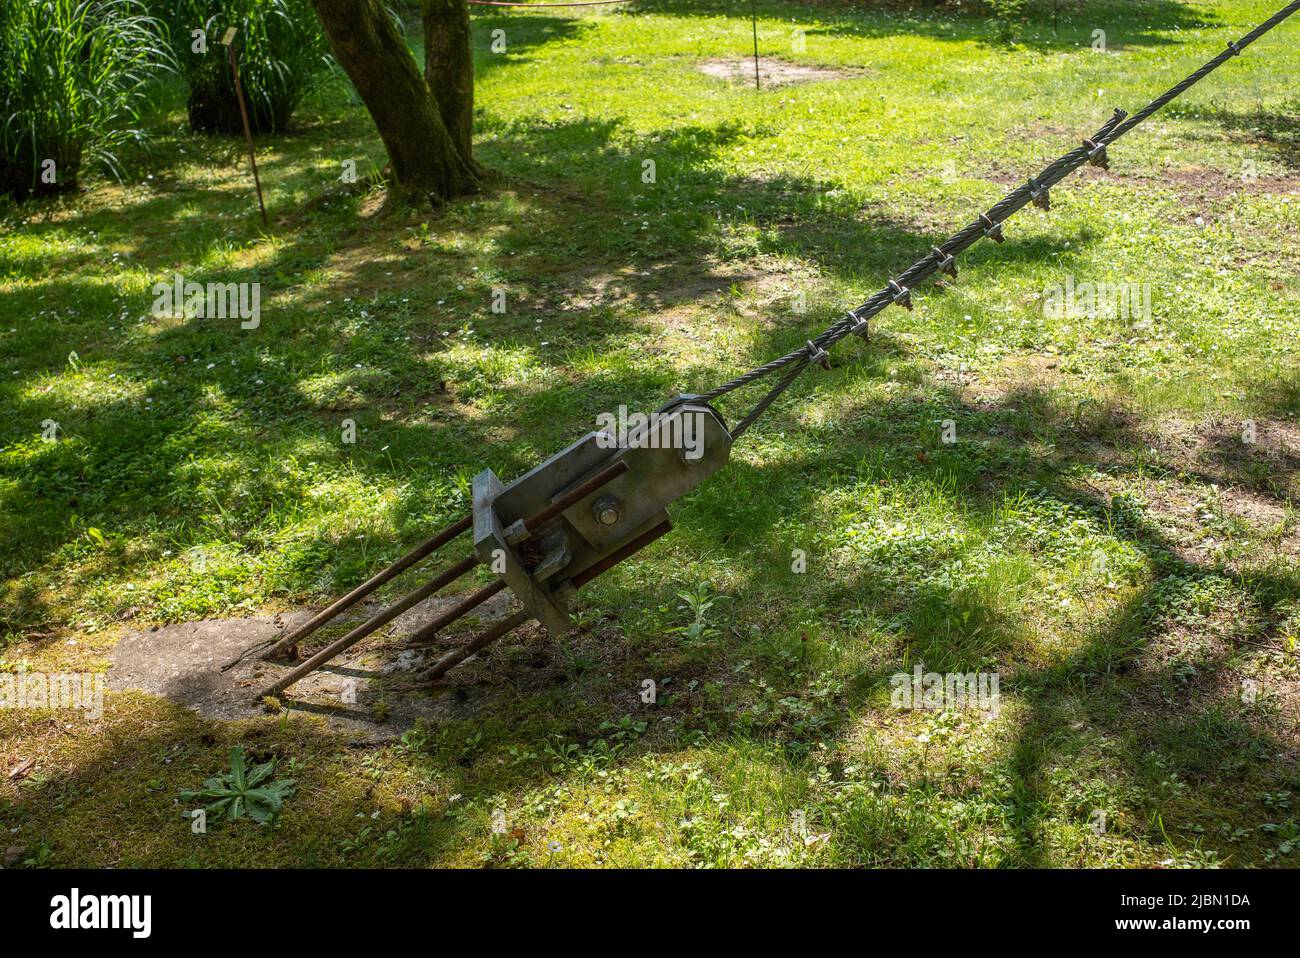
pixel 607 510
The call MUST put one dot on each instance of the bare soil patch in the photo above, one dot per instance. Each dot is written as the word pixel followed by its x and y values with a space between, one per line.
pixel 771 72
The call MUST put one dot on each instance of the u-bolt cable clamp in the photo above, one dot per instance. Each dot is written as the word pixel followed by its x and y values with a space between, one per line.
pixel 944 262
pixel 902 295
pixel 1097 155
pixel 818 356
pixel 992 230
pixel 1040 195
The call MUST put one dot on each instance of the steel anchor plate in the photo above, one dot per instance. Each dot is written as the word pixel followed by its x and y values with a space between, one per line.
pixel 660 460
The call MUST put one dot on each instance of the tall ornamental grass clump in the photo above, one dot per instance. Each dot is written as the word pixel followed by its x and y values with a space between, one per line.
pixel 73 78
pixel 283 54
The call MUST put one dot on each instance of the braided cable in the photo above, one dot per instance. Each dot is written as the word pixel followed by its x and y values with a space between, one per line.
pixel 988 225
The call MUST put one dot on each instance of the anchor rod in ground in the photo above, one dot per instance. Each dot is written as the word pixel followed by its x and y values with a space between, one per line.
pixel 366 628
pixel 531 524
pixel 370 585
pixel 456 656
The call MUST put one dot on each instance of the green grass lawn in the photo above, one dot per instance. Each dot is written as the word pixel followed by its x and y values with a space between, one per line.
pixel 1099 534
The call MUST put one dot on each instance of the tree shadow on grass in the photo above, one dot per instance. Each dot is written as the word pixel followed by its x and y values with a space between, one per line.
pixel 118 795
pixel 279 391
pixel 534 690
pixel 1275 130
pixel 1172 703
pixel 523 36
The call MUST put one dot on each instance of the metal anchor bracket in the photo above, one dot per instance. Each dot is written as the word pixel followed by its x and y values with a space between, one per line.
pixel 552 530
pixel 604 498
pixel 599 494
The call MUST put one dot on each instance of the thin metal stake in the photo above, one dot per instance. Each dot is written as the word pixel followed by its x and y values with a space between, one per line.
pixel 228 40
pixel 753 16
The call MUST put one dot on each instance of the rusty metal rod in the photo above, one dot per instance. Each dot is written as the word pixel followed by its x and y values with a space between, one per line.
pixel 455 657
pixel 579 580
pixel 532 523
pixel 363 630
pixel 537 520
pixel 617 556
pixel 455 612
pixel 369 586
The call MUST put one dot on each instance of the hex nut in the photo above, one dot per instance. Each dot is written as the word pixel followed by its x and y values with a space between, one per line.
pixel 607 510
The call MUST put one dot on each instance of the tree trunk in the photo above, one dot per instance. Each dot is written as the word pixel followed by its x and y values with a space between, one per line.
pixel 425 160
pixel 449 68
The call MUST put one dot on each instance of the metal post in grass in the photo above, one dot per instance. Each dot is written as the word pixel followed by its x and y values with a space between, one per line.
pixel 753 16
pixel 229 42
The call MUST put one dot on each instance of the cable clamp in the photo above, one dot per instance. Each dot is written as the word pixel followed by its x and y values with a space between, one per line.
pixel 857 324
pixel 1097 154
pixel 818 356
pixel 902 295
pixel 1116 119
pixel 945 263
pixel 1041 196
pixel 992 230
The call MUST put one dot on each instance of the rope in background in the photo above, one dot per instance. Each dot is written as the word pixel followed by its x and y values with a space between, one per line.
pixel 575 3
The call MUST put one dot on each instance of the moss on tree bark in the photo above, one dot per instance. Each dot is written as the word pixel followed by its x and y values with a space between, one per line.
pixel 426 160
pixel 449 68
